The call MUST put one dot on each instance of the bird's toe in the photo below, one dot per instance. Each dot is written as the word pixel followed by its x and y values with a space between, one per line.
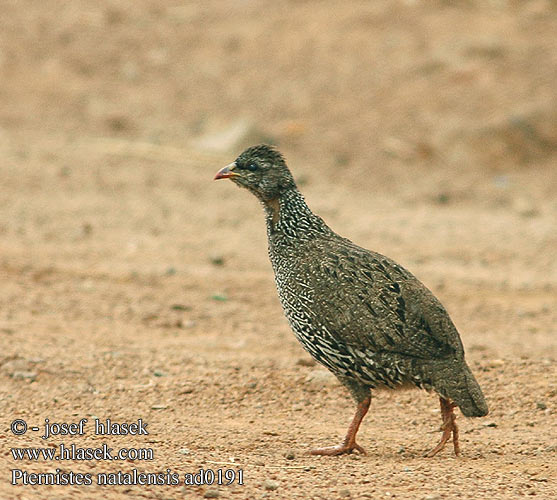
pixel 342 449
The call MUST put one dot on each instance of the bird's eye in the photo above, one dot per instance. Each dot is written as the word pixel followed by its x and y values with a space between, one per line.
pixel 252 167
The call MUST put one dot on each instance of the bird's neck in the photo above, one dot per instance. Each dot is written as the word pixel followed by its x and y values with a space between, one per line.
pixel 289 217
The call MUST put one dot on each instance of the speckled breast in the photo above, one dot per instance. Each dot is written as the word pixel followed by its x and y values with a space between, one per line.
pixel 298 301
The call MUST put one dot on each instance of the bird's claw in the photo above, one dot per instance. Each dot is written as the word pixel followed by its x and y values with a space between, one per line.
pixel 339 450
pixel 449 428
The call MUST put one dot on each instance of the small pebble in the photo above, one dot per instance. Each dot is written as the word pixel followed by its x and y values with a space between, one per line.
pixel 22 375
pixel 86 229
pixel 290 455
pixel 211 493
pixel 526 207
pixel 494 363
pixel 159 407
pixel 318 379
pixel 217 260
pixel 306 362
pixel 180 307
pixel 442 198
pixel 271 485
pixel 540 405
pixel 345 493
pixel 64 171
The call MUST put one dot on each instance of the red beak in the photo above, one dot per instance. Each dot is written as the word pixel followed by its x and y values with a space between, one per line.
pixel 226 172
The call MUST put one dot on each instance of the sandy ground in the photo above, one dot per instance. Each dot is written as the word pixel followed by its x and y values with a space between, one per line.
pixel 135 287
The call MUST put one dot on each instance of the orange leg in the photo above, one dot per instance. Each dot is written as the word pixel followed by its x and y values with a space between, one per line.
pixel 449 427
pixel 349 444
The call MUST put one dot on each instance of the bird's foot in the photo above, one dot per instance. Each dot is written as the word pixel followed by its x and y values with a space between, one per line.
pixel 349 444
pixel 449 427
pixel 339 450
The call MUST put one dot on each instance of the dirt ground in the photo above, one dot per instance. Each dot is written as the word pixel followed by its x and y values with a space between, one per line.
pixel 132 286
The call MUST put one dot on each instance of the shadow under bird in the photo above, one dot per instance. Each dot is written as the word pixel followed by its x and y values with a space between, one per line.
pixel 363 316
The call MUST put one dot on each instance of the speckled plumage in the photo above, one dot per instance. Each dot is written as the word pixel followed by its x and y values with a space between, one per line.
pixel 364 317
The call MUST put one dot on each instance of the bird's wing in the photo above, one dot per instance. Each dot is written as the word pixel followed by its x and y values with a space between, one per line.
pixel 369 300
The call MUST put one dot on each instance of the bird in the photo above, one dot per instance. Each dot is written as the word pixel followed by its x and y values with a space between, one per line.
pixel 367 319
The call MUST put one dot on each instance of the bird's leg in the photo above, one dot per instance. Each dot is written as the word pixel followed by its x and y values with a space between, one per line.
pixel 449 427
pixel 349 444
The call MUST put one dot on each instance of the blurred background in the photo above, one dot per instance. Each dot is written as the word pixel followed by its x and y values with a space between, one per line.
pixel 370 87
pixel 425 130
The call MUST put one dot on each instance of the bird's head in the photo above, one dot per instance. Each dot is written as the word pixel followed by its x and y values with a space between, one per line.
pixel 262 170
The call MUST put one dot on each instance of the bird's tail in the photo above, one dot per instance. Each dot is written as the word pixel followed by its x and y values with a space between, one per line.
pixel 460 386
